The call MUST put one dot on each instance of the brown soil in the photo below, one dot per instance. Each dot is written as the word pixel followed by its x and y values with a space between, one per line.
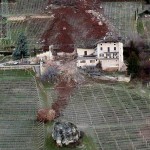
pixel 64 90
pixel 145 132
pixel 72 25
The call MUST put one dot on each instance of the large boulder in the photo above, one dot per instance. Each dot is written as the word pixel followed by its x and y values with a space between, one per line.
pixel 65 133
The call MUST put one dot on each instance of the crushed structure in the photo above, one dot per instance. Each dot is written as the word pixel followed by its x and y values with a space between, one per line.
pixel 65 133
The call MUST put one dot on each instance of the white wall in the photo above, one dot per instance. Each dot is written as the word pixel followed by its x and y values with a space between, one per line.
pixel 112 53
pixel 112 58
pixel 47 54
pixel 112 63
pixel 87 63
pixel 105 46
pixel 121 61
pixel 80 51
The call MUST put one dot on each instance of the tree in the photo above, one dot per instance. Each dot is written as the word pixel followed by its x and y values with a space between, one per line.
pixel 99 65
pixel 50 74
pixel 133 48
pixel 133 65
pixel 21 50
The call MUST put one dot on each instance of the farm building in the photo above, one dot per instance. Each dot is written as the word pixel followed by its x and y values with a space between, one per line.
pixel 108 51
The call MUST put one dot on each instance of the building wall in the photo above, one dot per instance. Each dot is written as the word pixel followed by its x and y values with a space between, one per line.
pixel 81 52
pixel 107 64
pixel 107 49
pixel 87 62
pixel 110 51
pixel 46 55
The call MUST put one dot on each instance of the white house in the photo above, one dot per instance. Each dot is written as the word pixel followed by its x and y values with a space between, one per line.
pixel 83 62
pixel 86 58
pixel 85 52
pixel 108 51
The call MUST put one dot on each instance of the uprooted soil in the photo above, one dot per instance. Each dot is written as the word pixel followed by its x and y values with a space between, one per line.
pixel 145 132
pixel 74 25
pixel 64 90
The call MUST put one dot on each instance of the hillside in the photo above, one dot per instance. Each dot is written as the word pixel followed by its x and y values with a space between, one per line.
pixel 69 23
pixel 75 22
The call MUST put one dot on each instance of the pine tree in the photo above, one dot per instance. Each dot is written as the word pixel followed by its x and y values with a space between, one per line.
pixel 21 50
pixel 99 65
pixel 133 65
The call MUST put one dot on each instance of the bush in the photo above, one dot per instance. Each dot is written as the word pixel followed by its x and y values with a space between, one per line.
pixel 50 74
pixel 133 65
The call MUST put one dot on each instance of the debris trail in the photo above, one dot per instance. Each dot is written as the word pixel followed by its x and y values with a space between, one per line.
pixel 64 90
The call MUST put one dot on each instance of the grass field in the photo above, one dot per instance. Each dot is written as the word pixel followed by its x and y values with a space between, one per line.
pixel 122 16
pixel 143 28
pixel 112 116
pixel 87 144
pixel 116 116
pixel 32 27
pixel 19 102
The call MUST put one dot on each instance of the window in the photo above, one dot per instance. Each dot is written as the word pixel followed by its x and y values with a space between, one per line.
pixel 85 52
pixel 108 49
pixel 92 61
pixel 115 55
pixel 114 48
pixel 82 61
pixel 108 55
pixel 101 48
pixel 101 55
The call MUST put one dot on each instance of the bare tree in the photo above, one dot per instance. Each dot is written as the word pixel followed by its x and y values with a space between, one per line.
pixel 50 74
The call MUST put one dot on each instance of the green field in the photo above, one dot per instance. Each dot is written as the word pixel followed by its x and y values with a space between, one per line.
pixel 112 115
pixel 121 16
pixel 116 115
pixel 87 144
pixel 143 28
pixel 19 103
pixel 32 27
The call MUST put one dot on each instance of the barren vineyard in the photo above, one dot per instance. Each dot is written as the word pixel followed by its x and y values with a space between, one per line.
pixel 122 16
pixel 112 115
pixel 18 105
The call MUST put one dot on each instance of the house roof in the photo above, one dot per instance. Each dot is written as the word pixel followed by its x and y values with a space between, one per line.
pixel 108 39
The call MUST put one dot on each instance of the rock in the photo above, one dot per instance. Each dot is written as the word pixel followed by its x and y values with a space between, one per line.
pixel 45 115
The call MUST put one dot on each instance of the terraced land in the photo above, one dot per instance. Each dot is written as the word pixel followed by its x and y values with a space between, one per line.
pixel 144 30
pixel 122 17
pixel 19 102
pixel 115 117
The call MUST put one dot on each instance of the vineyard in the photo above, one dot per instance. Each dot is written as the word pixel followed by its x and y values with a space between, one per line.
pixel 122 17
pixel 24 16
pixel 116 117
pixel 19 102
pixel 35 18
